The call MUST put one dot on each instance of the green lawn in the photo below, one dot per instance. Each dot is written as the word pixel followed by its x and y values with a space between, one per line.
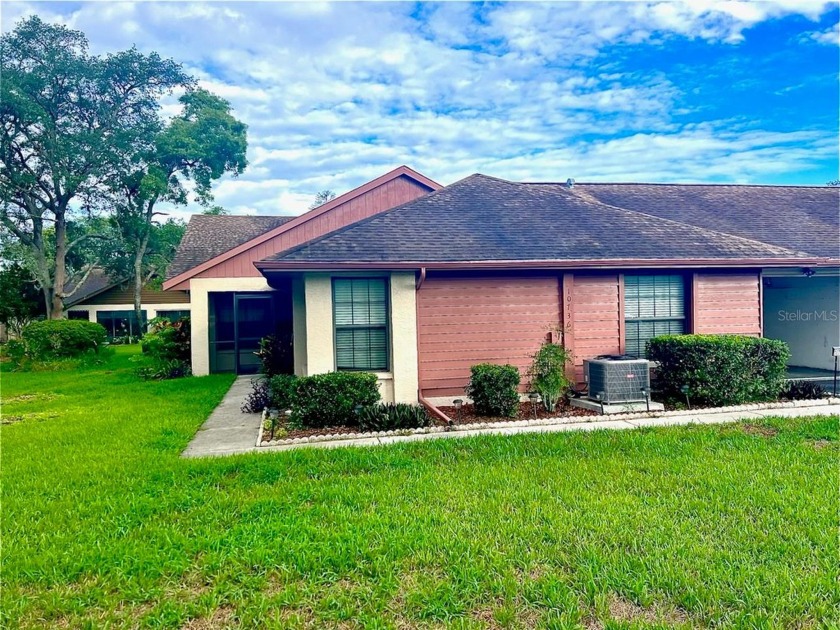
pixel 104 526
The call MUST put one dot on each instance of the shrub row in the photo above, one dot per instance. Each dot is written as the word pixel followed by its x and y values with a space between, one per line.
pixel 331 400
pixel 717 370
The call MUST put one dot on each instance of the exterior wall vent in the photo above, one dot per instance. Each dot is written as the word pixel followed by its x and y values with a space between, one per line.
pixel 617 378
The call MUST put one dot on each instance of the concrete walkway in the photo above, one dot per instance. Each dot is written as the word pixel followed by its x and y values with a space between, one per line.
pixel 228 431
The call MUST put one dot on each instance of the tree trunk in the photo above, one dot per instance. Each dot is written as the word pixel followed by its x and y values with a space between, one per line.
pixel 139 253
pixel 55 307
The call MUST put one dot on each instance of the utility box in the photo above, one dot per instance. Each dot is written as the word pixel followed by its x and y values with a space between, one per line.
pixel 617 378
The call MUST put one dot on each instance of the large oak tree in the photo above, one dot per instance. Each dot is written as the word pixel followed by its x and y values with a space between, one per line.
pixel 71 123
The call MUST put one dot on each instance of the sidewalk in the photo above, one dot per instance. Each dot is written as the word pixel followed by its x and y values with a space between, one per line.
pixel 228 431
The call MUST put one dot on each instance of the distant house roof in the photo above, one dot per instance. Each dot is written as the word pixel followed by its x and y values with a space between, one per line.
pixel 208 236
pixel 97 282
pixel 482 220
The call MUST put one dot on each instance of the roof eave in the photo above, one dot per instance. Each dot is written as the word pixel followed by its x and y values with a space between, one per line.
pixel 500 265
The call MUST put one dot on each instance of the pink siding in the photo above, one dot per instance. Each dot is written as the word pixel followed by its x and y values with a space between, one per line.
pixel 464 321
pixel 597 318
pixel 727 303
pixel 388 195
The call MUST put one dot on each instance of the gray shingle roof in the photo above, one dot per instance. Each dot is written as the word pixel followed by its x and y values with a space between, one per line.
pixel 805 218
pixel 96 282
pixel 208 236
pixel 482 218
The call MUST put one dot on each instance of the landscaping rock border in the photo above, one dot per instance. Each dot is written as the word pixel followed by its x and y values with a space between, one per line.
pixel 332 437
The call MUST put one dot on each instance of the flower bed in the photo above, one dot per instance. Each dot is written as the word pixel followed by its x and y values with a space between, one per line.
pixel 468 414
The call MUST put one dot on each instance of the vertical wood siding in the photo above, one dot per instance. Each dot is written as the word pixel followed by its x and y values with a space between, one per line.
pixel 388 195
pixel 725 303
pixel 464 321
pixel 597 317
pixel 121 295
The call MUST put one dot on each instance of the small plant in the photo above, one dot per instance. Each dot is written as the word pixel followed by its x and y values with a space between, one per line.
pixel 393 417
pixel 274 354
pixel 328 400
pixel 259 398
pixel 803 390
pixel 161 370
pixel 167 348
pixel 548 374
pixel 494 389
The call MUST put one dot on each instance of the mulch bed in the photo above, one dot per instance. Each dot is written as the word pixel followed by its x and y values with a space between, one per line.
pixel 468 416
pixel 291 434
pixel 526 412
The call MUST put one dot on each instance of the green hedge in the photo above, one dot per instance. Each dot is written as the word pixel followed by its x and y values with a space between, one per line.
pixel 329 400
pixel 719 370
pixel 62 338
pixel 494 389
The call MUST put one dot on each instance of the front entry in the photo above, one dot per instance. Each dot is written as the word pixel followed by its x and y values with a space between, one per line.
pixel 238 321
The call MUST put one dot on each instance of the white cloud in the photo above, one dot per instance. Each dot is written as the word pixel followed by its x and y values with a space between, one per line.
pixel 334 94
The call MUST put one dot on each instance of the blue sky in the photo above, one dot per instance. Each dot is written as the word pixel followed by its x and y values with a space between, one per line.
pixel 337 93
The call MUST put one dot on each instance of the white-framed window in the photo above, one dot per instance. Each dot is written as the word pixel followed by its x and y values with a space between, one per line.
pixel 360 317
pixel 653 305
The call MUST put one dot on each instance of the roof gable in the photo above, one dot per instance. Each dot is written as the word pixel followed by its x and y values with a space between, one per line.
pixel 377 195
pixel 482 219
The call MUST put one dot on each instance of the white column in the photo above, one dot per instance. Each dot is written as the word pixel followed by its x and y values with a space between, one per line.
pixel 404 337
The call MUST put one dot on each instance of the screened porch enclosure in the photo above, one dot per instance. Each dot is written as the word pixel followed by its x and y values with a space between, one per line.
pixel 239 320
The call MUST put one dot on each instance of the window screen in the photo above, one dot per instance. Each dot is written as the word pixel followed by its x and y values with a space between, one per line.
pixel 360 313
pixel 653 306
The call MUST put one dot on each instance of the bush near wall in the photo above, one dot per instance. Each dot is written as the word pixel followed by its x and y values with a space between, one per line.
pixel 167 347
pixel 61 339
pixel 328 400
pixel 494 389
pixel 719 369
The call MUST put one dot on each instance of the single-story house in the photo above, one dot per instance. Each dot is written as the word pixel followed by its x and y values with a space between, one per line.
pixel 110 302
pixel 417 282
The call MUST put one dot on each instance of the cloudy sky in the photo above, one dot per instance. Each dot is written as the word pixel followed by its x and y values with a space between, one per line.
pixel 335 94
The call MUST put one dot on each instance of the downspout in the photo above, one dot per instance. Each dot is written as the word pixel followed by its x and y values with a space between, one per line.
pixel 420 398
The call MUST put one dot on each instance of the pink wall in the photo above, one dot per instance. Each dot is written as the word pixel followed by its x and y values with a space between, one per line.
pixel 376 196
pixel 469 320
pixel 727 303
pixel 504 319
pixel 381 198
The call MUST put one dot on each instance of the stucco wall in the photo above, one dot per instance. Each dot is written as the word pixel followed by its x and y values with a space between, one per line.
pixel 805 313
pixel 200 313
pixel 397 385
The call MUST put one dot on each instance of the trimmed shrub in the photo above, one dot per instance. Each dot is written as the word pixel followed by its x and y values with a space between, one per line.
pixel 393 417
pixel 548 374
pixel 281 391
pixel 62 338
pixel 493 389
pixel 719 370
pixel 803 390
pixel 326 400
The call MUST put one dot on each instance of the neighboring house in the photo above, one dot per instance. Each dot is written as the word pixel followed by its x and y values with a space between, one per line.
pixel 110 302
pixel 420 289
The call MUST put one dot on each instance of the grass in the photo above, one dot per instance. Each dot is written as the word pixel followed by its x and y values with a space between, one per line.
pixel 103 525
